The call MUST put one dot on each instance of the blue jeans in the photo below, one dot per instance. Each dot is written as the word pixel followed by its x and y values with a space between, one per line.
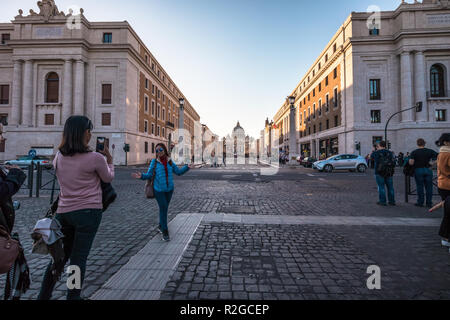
pixel 163 199
pixel 382 183
pixel 424 178
pixel 79 229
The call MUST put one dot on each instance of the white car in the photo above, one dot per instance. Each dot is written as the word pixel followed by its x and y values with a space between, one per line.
pixel 342 162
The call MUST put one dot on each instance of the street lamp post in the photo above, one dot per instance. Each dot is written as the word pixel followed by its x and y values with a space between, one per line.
pixel 181 129
pixel 292 133
pixel 418 106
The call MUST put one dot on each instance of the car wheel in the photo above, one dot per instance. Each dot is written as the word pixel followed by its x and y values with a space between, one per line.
pixel 328 168
pixel 361 168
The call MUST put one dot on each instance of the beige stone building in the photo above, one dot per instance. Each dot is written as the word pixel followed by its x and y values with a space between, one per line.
pixel 55 64
pixel 375 65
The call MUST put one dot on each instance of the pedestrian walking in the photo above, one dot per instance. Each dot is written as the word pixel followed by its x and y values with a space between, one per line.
pixel 420 160
pixel 18 277
pixel 80 172
pixel 384 172
pixel 163 168
pixel 443 165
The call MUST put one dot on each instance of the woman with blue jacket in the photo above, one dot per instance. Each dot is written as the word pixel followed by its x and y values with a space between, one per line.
pixel 163 183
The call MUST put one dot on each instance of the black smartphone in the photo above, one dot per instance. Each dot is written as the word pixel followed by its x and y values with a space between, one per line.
pixel 100 144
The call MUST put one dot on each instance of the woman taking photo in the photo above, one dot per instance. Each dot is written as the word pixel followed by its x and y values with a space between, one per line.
pixel 79 171
pixel 443 164
pixel 163 183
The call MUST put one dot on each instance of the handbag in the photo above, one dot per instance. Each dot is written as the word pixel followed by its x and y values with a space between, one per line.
pixel 149 185
pixel 9 251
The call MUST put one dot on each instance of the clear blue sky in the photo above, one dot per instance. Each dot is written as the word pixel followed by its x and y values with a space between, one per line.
pixel 233 59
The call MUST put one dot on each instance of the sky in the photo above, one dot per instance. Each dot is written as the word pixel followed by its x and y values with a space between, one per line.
pixel 234 60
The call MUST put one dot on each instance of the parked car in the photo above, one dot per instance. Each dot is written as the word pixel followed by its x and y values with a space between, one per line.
pixel 342 162
pixel 308 162
pixel 25 162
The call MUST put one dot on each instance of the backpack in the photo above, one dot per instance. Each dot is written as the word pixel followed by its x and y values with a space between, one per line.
pixel 386 165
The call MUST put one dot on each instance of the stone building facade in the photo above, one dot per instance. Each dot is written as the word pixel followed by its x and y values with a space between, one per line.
pixel 377 64
pixel 54 65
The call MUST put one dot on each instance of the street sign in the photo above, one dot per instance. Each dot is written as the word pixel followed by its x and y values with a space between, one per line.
pixel 32 153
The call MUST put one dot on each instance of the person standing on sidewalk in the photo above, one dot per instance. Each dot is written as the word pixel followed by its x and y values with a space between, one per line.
pixel 79 171
pixel 444 184
pixel 384 171
pixel 421 159
pixel 164 168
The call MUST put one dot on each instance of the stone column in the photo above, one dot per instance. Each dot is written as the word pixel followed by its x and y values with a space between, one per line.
pixel 292 136
pixel 406 86
pixel 27 94
pixel 420 85
pixel 67 92
pixel 78 98
pixel 16 93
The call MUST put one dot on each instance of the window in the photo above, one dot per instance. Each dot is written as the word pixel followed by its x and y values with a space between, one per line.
pixel 164 98
pixel 336 121
pixel 146 83
pixel 49 119
pixel 158 111
pixel 4 119
pixel 159 74
pixel 314 128
pixel 320 126
pixel 335 98
pixel 374 86
pixel 437 81
pixel 153 66
pixel 441 115
pixel 158 131
pixel 326 81
pixel 2 145
pixel 145 104
pixel 5 37
pixel 107 38
pixel 314 111
pixel 320 108
pixel 145 147
pixel 153 147
pixel 153 108
pixel 374 32
pixel 326 57
pixel 164 132
pixel 314 92
pixel 153 89
pixel 106 93
pixel 145 126
pixel 146 58
pixel 327 97
pixel 106 119
pixel 4 94
pixel 328 124
pixel 334 48
pixel 164 114
pixel 309 96
pixel 320 65
pixel 52 88
pixel 320 87
pixel 335 73
pixel 159 94
pixel 375 116
pixel 309 131
pixel 153 129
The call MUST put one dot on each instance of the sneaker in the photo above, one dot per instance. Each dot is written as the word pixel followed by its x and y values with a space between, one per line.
pixel 166 236
pixel 160 229
pixel 382 204
pixel 445 243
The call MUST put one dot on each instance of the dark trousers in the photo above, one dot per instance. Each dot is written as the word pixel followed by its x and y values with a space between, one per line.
pixel 444 231
pixel 424 178
pixel 163 199
pixel 382 184
pixel 79 229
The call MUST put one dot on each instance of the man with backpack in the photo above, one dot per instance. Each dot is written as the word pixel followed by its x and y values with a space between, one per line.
pixel 384 162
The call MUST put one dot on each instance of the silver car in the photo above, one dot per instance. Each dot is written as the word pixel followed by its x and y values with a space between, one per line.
pixel 342 162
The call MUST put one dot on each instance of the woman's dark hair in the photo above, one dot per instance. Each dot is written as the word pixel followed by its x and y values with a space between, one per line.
pixel 444 138
pixel 73 136
pixel 162 145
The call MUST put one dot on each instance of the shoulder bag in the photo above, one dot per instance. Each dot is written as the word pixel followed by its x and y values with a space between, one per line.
pixel 149 185
pixel 9 251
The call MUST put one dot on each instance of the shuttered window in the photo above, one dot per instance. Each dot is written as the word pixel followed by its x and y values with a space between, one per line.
pixel 106 119
pixel 49 119
pixel 106 93
pixel 4 94
pixel 52 92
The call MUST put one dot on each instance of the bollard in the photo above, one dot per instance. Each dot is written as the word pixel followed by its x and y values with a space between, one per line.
pixel 30 178
pixel 38 178
pixel 407 187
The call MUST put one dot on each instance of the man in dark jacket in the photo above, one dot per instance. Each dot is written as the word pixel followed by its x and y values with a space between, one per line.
pixel 11 179
pixel 384 172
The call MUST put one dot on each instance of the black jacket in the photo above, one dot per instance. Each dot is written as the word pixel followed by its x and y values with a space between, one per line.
pixel 9 185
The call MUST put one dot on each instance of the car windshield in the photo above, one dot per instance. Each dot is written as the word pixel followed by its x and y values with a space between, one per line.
pixel 24 158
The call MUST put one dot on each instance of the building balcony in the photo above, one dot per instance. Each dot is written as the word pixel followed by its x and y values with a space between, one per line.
pixel 170 124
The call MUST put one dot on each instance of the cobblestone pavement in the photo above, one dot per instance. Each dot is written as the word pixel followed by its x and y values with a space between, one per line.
pixel 131 222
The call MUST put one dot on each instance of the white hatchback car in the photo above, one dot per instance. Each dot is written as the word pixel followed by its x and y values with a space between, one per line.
pixel 342 162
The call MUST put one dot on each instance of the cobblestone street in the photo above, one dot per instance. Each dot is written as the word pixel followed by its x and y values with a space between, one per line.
pixel 298 234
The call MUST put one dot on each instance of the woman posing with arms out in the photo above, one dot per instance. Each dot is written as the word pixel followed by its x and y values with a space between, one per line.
pixel 79 171
pixel 163 183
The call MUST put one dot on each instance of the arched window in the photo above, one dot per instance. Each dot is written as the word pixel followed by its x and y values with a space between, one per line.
pixel 52 88
pixel 437 81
